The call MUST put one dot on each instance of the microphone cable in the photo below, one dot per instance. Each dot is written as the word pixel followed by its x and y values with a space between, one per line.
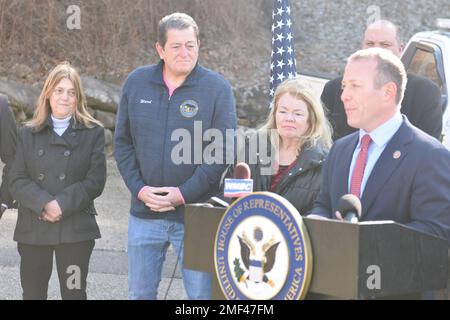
pixel 174 270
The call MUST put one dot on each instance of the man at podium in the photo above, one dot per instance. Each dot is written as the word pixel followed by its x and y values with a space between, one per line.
pixel 399 172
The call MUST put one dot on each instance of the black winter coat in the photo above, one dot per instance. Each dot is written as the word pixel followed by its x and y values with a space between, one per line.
pixel 8 137
pixel 300 186
pixel 71 169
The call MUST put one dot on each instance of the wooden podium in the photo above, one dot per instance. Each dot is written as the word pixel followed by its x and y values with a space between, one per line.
pixel 346 256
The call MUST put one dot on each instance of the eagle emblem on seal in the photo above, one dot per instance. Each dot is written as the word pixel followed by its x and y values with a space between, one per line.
pixel 257 256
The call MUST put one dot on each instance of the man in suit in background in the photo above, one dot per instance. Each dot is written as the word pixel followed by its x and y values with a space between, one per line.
pixel 422 102
pixel 8 136
pixel 399 172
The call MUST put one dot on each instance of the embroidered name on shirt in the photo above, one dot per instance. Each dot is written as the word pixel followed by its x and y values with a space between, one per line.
pixel 146 101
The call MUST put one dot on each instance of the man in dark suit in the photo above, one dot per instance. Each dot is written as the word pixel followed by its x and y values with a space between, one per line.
pixel 8 135
pixel 421 104
pixel 399 172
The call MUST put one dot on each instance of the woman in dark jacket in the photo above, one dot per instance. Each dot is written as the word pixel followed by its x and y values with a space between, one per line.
pixel 8 137
pixel 59 170
pixel 298 138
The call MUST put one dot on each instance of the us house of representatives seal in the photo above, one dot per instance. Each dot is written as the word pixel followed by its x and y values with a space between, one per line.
pixel 262 250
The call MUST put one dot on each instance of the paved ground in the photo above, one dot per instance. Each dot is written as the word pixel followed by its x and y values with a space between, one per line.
pixel 108 267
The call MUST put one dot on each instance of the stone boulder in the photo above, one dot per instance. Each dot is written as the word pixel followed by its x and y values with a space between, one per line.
pixel 101 95
pixel 252 105
pixel 107 118
pixel 22 96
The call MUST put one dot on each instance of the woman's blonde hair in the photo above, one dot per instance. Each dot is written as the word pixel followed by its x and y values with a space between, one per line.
pixel 62 71
pixel 319 132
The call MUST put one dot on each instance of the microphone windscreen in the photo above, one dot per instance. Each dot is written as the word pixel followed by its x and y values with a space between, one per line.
pixel 241 171
pixel 349 203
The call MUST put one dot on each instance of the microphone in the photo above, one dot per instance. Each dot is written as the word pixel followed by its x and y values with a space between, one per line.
pixel 216 201
pixel 241 184
pixel 241 171
pixel 349 206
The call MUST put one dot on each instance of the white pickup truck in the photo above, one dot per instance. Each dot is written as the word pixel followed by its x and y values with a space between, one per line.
pixel 426 54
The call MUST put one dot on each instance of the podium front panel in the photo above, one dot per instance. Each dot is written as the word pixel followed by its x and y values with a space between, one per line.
pixel 200 227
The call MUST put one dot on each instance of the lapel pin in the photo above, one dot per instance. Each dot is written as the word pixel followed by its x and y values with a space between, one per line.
pixel 396 154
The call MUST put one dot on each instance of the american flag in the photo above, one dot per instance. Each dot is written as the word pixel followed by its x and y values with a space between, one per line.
pixel 282 64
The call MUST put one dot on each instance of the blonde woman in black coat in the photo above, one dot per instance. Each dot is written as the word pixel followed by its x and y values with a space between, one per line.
pixel 59 170
pixel 298 139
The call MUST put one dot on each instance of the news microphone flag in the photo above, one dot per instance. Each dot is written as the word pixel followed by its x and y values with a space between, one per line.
pixel 282 64
pixel 241 184
pixel 235 188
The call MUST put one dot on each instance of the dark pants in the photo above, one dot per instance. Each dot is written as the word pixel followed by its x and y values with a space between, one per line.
pixel 72 262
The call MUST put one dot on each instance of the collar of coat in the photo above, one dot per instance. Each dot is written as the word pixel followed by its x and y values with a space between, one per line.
pixel 192 78
pixel 69 139
pixel 310 157
pixel 73 124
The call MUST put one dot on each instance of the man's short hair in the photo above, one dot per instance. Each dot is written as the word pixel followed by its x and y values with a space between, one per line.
pixel 386 24
pixel 390 69
pixel 177 20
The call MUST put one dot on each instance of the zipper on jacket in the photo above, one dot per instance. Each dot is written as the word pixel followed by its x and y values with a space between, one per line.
pixel 165 134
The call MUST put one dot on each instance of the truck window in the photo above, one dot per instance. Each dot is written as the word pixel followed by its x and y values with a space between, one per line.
pixel 423 63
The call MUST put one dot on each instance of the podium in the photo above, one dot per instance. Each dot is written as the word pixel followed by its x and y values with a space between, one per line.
pixel 366 260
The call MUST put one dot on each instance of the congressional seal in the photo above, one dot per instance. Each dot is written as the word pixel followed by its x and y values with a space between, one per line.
pixel 262 250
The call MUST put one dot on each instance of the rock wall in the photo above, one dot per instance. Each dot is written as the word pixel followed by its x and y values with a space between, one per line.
pixel 325 33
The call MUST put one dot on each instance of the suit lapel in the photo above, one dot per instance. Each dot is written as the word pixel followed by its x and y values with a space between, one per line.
pixel 346 159
pixel 386 165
